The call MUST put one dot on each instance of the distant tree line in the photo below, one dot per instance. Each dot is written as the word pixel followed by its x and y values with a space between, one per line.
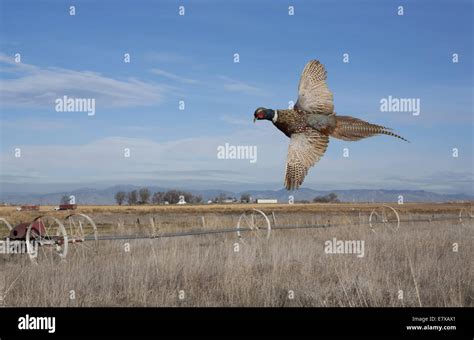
pixel 330 198
pixel 144 196
pixel 173 196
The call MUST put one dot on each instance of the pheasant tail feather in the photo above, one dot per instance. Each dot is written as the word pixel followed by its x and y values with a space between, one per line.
pixel 352 129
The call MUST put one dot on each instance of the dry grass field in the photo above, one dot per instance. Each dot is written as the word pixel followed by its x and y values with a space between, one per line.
pixel 420 264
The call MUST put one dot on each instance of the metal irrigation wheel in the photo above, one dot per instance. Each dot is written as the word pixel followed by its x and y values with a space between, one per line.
pixel 5 229
pixel 386 216
pixel 46 240
pixel 82 233
pixel 465 216
pixel 254 220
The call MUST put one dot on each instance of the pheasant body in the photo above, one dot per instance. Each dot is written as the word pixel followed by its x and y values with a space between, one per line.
pixel 310 123
pixel 290 122
pixel 294 121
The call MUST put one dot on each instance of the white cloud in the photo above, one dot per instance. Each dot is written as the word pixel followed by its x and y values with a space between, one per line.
pixel 233 85
pixel 103 160
pixel 195 159
pixel 33 124
pixel 36 86
pixel 173 76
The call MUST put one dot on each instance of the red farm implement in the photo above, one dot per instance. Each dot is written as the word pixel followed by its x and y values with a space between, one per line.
pixel 46 238
pixel 67 207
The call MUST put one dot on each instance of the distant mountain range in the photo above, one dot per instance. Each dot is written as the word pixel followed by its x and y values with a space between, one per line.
pixel 106 196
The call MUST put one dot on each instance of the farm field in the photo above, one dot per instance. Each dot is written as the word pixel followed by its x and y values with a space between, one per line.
pixel 232 207
pixel 418 263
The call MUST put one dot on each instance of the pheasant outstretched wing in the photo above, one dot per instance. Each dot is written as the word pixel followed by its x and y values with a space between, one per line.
pixel 304 151
pixel 313 93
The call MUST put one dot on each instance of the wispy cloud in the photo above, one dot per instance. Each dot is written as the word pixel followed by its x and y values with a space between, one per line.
pixel 441 181
pixel 172 76
pixel 193 159
pixel 233 85
pixel 105 159
pixel 34 86
pixel 33 124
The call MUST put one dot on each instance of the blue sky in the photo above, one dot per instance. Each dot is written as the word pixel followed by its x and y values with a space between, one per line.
pixel 190 58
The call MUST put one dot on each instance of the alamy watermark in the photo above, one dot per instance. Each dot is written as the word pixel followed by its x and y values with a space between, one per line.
pixel 228 151
pixel 66 104
pixel 28 322
pixel 18 247
pixel 354 247
pixel 393 104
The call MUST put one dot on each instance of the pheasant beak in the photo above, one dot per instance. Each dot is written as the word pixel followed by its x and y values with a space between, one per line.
pixel 258 115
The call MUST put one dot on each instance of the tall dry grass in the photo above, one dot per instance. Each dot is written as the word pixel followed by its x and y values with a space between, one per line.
pixel 412 267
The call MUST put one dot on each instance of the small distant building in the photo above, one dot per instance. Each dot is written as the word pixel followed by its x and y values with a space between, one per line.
pixel 266 200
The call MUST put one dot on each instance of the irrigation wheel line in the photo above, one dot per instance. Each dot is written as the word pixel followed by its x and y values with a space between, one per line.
pixel 468 213
pixel 80 228
pixel 240 230
pixel 385 221
pixel 58 240
pixel 9 226
pixel 253 220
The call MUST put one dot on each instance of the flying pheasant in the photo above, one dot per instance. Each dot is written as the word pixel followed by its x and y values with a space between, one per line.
pixel 310 123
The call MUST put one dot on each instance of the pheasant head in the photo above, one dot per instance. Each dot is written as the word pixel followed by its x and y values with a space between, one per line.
pixel 263 113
